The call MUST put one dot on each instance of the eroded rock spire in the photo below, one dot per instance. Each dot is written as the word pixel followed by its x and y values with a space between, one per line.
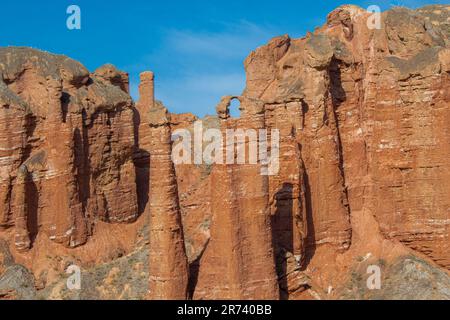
pixel 168 269
pixel 239 260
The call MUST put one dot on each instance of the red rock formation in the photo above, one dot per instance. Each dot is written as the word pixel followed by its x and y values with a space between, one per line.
pixel 364 94
pixel 168 269
pixel 110 75
pixel 194 192
pixel 239 262
pixel 320 92
pixel 363 156
pixel 14 119
pixel 142 137
pixel 74 149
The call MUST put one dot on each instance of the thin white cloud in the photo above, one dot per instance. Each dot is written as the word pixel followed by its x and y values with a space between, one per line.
pixel 231 43
pixel 194 69
pixel 216 83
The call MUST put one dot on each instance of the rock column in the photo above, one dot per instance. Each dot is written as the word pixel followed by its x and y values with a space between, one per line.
pixel 64 206
pixel 168 262
pixel 142 137
pixel 239 260
pixel 21 236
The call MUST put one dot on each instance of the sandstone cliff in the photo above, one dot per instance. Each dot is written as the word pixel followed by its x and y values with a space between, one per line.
pixel 86 175
pixel 67 144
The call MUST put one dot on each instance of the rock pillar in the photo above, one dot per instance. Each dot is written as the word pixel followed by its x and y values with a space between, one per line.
pixel 168 262
pixel 239 260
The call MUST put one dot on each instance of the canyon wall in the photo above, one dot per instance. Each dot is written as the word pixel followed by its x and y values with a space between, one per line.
pixel 67 146
pixel 363 168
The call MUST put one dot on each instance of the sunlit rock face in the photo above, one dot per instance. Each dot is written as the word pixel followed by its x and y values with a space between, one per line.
pixel 363 144
pixel 67 144
pixel 238 262
pixel 360 106
pixel 168 264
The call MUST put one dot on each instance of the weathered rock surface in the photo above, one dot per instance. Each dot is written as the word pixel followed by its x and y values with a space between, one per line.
pixel 238 262
pixel 168 270
pixel 363 178
pixel 67 144
pixel 367 108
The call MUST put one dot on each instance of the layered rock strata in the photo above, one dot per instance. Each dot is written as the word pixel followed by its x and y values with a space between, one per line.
pixel 238 262
pixel 360 109
pixel 67 148
pixel 168 265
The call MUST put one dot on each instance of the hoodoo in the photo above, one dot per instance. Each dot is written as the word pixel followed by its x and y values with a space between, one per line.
pixel 239 261
pixel 168 269
pixel 359 113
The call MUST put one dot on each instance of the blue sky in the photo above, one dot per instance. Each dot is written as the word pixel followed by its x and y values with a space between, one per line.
pixel 196 48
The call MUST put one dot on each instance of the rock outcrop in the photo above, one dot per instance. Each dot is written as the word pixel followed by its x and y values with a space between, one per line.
pixel 168 269
pixel 360 110
pixel 239 262
pixel 364 106
pixel 67 146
